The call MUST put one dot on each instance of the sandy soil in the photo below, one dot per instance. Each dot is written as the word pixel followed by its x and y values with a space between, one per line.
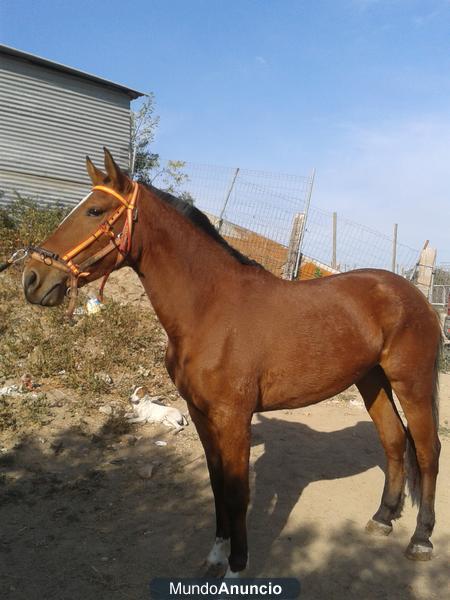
pixel 79 522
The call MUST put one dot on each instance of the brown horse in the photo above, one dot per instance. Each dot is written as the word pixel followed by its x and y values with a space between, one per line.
pixel 243 341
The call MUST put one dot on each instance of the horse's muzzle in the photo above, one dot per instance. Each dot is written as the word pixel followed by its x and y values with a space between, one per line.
pixel 43 286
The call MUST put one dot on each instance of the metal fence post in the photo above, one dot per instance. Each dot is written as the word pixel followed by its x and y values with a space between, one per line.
pixel 333 257
pixel 230 189
pixel 394 249
pixel 303 229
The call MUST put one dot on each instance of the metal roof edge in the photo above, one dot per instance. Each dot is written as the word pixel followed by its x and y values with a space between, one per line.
pixel 133 94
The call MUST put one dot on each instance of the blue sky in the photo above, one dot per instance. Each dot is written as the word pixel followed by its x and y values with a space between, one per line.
pixel 358 89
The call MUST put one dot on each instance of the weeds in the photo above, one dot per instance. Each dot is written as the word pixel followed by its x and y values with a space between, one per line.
pixel 24 409
pixel 62 353
pixel 444 359
pixel 74 355
pixel 24 223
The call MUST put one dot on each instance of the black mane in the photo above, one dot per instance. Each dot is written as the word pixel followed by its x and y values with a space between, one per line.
pixel 201 221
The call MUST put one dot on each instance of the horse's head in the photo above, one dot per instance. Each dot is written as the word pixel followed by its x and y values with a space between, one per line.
pixel 90 242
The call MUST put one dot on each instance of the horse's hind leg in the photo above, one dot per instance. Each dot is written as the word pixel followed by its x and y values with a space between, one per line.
pixel 411 364
pixel 418 401
pixel 377 394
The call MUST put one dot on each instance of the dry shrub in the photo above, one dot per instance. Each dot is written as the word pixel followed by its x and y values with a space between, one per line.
pixel 122 341
pixel 24 223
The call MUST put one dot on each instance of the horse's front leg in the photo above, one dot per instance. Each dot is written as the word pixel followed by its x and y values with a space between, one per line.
pixel 217 560
pixel 234 442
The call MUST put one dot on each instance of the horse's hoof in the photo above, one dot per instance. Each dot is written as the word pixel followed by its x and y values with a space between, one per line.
pixel 233 574
pixel 215 571
pixel 419 551
pixel 377 528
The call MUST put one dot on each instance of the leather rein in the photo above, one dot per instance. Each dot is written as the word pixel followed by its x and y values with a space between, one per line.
pixel 120 242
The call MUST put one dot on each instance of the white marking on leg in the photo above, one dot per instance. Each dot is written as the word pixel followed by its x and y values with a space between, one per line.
pixel 420 549
pixel 219 552
pixel 232 574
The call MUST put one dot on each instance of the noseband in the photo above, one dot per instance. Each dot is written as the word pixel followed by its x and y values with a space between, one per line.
pixel 120 242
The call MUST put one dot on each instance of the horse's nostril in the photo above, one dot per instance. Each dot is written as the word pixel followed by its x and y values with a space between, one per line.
pixel 31 280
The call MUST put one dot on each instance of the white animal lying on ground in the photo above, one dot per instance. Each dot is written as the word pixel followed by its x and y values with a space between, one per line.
pixel 147 409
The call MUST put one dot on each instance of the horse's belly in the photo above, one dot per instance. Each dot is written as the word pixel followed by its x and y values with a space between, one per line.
pixel 281 388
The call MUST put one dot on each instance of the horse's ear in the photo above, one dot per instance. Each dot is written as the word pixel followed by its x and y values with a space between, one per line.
pixel 97 176
pixel 118 179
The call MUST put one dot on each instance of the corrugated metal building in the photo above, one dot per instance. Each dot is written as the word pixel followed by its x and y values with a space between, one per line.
pixel 51 116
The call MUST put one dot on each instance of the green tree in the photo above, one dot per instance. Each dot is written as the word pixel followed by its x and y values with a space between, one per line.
pixel 144 123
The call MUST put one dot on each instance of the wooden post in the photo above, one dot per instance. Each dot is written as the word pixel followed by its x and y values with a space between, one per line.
pixel 425 269
pixel 294 245
pixel 333 256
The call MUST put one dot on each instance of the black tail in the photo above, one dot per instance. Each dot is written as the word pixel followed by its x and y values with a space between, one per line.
pixel 412 466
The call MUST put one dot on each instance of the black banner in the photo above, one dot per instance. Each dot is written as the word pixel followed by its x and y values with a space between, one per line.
pixel 209 589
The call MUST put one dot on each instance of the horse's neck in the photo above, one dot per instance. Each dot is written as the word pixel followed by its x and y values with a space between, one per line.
pixel 180 266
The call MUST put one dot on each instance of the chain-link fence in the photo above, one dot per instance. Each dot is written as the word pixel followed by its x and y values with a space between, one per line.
pixel 267 216
pixel 255 211
pixel 441 285
pixel 346 245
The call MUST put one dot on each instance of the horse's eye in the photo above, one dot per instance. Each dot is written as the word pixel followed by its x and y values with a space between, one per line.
pixel 95 212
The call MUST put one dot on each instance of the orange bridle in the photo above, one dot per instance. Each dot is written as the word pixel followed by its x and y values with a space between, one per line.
pixel 120 242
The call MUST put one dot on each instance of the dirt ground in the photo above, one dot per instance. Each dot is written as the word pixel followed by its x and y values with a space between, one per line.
pixel 80 520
